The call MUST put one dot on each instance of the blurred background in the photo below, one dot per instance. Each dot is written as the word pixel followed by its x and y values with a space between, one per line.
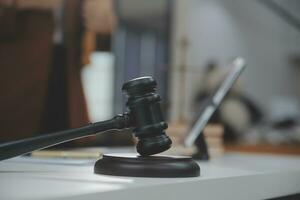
pixel 63 63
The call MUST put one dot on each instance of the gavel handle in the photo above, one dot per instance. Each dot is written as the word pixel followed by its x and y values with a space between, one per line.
pixel 20 147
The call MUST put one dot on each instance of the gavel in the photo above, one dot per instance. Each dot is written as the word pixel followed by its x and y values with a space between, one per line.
pixel 144 116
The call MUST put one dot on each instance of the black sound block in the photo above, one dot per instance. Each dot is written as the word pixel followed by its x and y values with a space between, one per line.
pixel 150 166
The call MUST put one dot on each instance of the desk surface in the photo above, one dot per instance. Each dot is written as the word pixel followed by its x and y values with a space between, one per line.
pixel 235 176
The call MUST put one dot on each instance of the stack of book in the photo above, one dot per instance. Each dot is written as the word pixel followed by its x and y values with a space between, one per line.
pixel 214 138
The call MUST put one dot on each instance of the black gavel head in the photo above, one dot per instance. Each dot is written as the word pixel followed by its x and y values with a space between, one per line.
pixel 146 116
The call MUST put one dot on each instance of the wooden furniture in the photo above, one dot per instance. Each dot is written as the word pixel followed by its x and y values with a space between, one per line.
pixel 264 148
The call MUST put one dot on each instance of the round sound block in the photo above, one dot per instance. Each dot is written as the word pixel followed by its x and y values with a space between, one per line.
pixel 150 166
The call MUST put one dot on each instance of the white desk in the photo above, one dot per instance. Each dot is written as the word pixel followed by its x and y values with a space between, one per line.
pixel 236 176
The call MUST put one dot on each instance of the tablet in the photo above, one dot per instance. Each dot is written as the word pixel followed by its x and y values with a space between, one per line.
pixel 214 101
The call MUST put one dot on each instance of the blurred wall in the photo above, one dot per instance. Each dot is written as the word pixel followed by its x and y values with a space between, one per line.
pixel 221 30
